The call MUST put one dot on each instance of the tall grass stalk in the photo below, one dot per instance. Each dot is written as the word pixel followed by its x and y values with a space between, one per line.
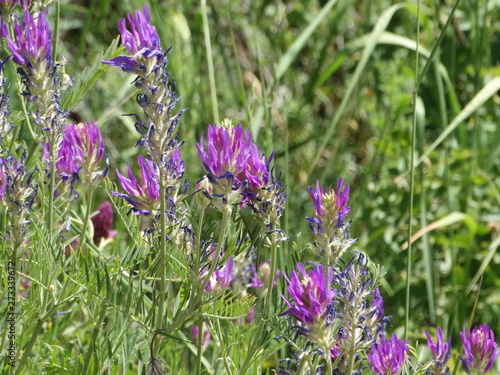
pixel 413 139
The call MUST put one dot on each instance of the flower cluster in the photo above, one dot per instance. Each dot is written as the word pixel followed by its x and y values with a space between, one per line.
pixel 141 41
pixel 480 349
pixel 232 160
pixel 81 149
pixel 331 232
pixel 313 299
pixel 18 194
pixel 389 355
pixel 31 45
pixel 440 351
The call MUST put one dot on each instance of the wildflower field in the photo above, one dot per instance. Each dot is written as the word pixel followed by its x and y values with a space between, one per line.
pixel 274 187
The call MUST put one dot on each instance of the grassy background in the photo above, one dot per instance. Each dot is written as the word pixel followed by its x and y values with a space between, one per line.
pixel 332 99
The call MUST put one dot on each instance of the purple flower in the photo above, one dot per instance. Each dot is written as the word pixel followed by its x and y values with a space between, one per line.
pixel 387 356
pixel 230 152
pixel 261 277
pixel 378 304
pixel 441 350
pixel 141 41
pixel 81 146
pixel 312 296
pixel 32 48
pixel 144 197
pixel 221 278
pixel 103 223
pixel 480 349
pixel 16 188
pixel 88 138
pixel 174 168
pixel 331 206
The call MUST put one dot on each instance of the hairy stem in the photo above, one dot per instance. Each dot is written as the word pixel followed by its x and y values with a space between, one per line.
pixel 87 217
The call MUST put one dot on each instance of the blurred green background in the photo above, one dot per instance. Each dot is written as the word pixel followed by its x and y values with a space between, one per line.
pixel 332 99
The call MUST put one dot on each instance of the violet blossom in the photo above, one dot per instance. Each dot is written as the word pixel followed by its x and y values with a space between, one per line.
pixel 480 349
pixel 81 147
pixel 31 45
pixel 230 154
pixel 221 278
pixel 312 296
pixel 331 232
pixel 388 356
pixel 141 41
pixel 144 197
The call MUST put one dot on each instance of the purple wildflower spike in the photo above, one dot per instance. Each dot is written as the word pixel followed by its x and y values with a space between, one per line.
pixel 221 278
pixel 144 197
pixel 32 44
pixel 230 151
pixel 88 138
pixel 313 296
pixel 480 349
pixel 378 304
pixel 388 356
pixel 331 206
pixel 81 146
pixel 174 168
pixel 441 350
pixel 329 228
pixel 141 41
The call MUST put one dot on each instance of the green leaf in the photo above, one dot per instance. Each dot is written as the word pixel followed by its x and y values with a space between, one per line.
pixel 88 78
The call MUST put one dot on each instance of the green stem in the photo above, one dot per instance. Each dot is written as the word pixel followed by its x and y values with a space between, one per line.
pixel 199 343
pixel 29 347
pixel 87 216
pixel 56 31
pixel 97 328
pixel 272 274
pixel 267 303
pixel 163 252
pixel 196 269
pixel 39 324
pixel 194 302
pixel 52 184
pixel 412 182
pixel 208 48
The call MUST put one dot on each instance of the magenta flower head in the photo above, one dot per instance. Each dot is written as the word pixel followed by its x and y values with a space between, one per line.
pixel 87 137
pixel 230 154
pixel 81 148
pixel 103 223
pixel 144 197
pixel 221 278
pixel 480 349
pixel 312 296
pixel 441 350
pixel 388 356
pixel 31 46
pixel 141 41
pixel 331 207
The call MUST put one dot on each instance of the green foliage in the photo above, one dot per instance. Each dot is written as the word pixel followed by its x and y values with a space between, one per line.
pixel 328 86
